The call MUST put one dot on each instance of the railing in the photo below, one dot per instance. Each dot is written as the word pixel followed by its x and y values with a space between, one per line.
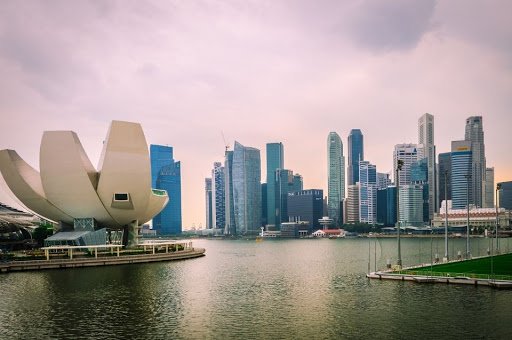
pixel 159 192
pixel 453 275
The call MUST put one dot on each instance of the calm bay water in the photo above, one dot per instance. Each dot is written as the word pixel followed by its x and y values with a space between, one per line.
pixel 241 289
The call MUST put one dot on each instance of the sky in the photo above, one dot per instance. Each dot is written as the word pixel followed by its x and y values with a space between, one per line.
pixel 261 71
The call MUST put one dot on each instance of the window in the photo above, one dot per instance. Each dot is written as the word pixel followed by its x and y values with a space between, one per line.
pixel 121 196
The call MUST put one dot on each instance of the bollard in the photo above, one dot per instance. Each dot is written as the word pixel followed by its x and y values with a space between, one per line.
pixel 388 264
pixel 459 255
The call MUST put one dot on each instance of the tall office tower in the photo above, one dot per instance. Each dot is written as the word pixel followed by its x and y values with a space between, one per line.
pixel 408 154
pixel 218 192
pixel 283 184
pixel 386 206
pixel 426 143
pixel 275 160
pixel 489 188
pixel 419 175
pixel 264 204
pixel 475 134
pixel 247 189
pixel 208 202
pixel 230 228
pixel 306 206
pixel 383 180
pixel 336 176
pixel 298 184
pixel 411 205
pixel 444 174
pixel 353 203
pixel 166 175
pixel 461 169
pixel 355 154
pixel 367 192
pixel 505 195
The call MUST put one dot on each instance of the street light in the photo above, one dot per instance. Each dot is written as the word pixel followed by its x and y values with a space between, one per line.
pixel 446 215
pixel 468 178
pixel 498 188
pixel 399 165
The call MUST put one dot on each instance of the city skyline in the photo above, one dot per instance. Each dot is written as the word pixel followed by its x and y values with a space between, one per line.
pixel 190 73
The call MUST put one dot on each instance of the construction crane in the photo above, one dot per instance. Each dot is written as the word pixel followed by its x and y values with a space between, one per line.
pixel 226 145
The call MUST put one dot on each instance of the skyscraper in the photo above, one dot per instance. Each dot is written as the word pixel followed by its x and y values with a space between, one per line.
pixel 336 176
pixel 475 134
pixel 230 228
pixel 306 206
pixel 208 202
pixel 283 184
pixel 367 192
pixel 444 174
pixel 298 184
pixel 355 154
pixel 166 175
pixel 218 196
pixel 505 195
pixel 353 203
pixel 461 169
pixel 411 204
pixel 383 180
pixel 489 188
pixel 386 206
pixel 428 151
pixel 408 154
pixel 419 176
pixel 275 160
pixel 247 189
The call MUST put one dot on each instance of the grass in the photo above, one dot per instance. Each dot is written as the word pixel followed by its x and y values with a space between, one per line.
pixel 501 266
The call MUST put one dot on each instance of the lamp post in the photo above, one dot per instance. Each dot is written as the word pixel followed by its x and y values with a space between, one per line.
pixel 446 215
pixel 498 188
pixel 468 178
pixel 399 164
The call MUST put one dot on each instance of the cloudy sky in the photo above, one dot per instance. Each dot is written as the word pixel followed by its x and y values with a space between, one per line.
pixel 256 71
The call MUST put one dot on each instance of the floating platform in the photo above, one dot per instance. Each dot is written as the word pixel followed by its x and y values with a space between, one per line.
pixel 77 262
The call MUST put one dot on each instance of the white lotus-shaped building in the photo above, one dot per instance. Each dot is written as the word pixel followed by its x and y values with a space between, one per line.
pixel 69 189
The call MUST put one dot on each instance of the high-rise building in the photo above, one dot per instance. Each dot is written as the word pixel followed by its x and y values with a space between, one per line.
pixel 475 134
pixel 408 154
pixel 367 192
pixel 411 205
pixel 306 206
pixel 419 175
pixel 298 184
pixel 208 202
pixel 355 154
pixel 247 189
pixel 264 204
pixel 275 160
pixel 283 184
pixel 505 195
pixel 428 151
pixel 230 228
pixel 444 174
pixel 461 160
pixel 489 188
pixel 386 206
pixel 218 196
pixel 166 175
pixel 383 180
pixel 353 203
pixel 336 176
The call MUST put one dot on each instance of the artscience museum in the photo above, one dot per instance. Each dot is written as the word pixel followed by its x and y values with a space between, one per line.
pixel 83 200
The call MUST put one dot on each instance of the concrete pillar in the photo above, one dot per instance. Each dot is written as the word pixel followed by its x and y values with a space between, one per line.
pixel 132 238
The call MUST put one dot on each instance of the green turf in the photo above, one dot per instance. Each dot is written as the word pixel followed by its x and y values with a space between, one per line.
pixel 501 265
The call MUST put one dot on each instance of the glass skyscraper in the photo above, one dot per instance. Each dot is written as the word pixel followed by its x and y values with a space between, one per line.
pixel 275 160
pixel 386 206
pixel 166 175
pixel 230 228
pixel 367 192
pixel 208 202
pixel 247 189
pixel 428 151
pixel 218 196
pixel 336 177
pixel 445 168
pixel 461 168
pixel 475 135
pixel 355 154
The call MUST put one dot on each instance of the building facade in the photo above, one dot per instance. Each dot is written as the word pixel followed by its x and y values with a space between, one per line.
pixel 275 160
pixel 367 192
pixel 383 180
pixel 336 176
pixel 230 227
pixel 306 206
pixel 428 151
pixel 489 188
pixel 408 154
pixel 283 186
pixel 461 170
pixel 505 195
pixel 352 204
pixel 218 196
pixel 355 154
pixel 247 189
pixel 411 205
pixel 444 175
pixel 208 202
pixel 386 206
pixel 166 175
pixel 475 134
